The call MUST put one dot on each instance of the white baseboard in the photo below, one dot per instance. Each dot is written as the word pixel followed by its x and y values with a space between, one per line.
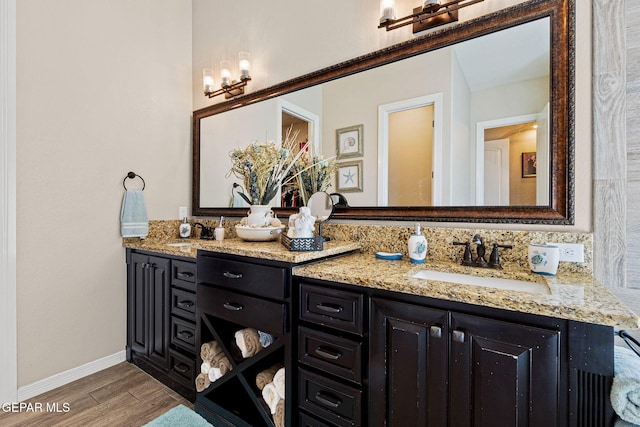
pixel 63 378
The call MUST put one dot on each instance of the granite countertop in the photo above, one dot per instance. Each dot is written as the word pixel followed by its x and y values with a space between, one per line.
pixel 273 250
pixel 571 296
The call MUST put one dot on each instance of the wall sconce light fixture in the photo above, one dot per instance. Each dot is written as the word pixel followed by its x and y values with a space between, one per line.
pixel 431 14
pixel 228 87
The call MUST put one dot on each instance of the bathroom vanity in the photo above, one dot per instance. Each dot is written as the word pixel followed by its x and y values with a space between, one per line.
pixel 371 342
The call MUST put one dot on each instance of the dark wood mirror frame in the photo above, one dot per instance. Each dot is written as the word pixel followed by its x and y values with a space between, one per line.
pixel 561 208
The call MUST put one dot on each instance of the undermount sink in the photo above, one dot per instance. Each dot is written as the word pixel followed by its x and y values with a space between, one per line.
pixel 179 245
pixel 487 282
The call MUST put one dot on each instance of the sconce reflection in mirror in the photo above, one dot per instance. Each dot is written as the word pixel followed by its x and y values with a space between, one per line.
pixel 228 87
pixel 431 14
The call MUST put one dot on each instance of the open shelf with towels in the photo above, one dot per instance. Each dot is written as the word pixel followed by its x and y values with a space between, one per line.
pixel 243 315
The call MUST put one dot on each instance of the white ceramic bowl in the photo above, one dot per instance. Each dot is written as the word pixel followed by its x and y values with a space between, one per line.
pixel 258 234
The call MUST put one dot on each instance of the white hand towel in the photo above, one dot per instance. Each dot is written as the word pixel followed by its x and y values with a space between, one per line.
pixel 625 390
pixel 133 215
pixel 271 397
pixel 278 382
pixel 205 367
pixel 214 374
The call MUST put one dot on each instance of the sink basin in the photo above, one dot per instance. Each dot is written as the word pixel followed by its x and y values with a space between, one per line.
pixel 487 282
pixel 179 245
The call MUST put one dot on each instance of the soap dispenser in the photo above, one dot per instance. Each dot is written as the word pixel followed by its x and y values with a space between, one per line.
pixel 417 246
pixel 185 229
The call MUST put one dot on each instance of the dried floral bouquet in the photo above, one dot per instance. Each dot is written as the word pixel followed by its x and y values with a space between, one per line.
pixel 265 167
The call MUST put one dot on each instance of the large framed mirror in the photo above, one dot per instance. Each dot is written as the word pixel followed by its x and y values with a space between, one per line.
pixel 496 96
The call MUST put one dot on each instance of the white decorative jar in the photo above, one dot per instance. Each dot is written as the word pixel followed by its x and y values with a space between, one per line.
pixel 259 216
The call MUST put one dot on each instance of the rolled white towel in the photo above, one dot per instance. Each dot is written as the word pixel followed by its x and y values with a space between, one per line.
pixel 271 397
pixel 217 372
pixel 214 374
pixel 625 390
pixel 205 367
pixel 248 341
pixel 278 382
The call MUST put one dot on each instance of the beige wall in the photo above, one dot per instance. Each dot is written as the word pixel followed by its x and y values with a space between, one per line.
pixel 104 87
pixel 285 43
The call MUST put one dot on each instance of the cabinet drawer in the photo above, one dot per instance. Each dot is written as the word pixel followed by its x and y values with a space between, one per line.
pixel 338 356
pixel 183 334
pixel 183 275
pixel 183 304
pixel 260 280
pixel 182 368
pixel 329 400
pixel 309 421
pixel 244 310
pixel 330 307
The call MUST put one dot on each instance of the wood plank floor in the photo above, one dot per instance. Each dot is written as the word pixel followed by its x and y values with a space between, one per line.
pixel 122 395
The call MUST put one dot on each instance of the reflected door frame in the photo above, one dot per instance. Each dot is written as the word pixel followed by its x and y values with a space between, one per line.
pixel 313 119
pixel 384 111
pixel 480 128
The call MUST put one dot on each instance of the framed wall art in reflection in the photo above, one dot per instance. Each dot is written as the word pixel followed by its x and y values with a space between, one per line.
pixel 349 177
pixel 349 142
pixel 529 164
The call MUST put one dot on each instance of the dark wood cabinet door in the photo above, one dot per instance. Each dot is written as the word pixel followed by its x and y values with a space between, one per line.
pixel 138 303
pixel 159 311
pixel 502 374
pixel 408 365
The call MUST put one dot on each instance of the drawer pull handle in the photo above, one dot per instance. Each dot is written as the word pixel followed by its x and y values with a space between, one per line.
pixel 436 331
pixel 230 275
pixel 232 306
pixel 185 275
pixel 458 336
pixel 328 308
pixel 181 367
pixel 328 400
pixel 185 335
pixel 328 354
pixel 185 304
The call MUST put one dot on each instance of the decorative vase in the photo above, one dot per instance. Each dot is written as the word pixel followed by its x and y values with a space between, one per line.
pixel 259 216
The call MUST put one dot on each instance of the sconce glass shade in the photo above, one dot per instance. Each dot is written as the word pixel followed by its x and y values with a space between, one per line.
pixel 244 63
pixel 225 73
pixel 207 80
pixel 431 5
pixel 386 11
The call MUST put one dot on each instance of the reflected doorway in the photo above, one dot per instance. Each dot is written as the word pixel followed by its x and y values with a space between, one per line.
pixel 512 167
pixel 409 152
pixel 307 126
pixel 411 157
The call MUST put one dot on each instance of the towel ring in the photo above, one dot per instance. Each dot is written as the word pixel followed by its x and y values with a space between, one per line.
pixel 132 175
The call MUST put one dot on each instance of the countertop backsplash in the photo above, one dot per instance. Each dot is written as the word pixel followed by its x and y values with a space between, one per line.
pixel 374 238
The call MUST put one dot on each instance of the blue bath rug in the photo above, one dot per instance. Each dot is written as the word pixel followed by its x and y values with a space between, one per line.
pixel 180 416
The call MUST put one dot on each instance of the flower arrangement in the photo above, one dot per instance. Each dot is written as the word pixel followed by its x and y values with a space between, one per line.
pixel 313 174
pixel 265 167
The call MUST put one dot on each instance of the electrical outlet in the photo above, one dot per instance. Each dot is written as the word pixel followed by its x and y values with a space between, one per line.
pixel 571 252
pixel 182 212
